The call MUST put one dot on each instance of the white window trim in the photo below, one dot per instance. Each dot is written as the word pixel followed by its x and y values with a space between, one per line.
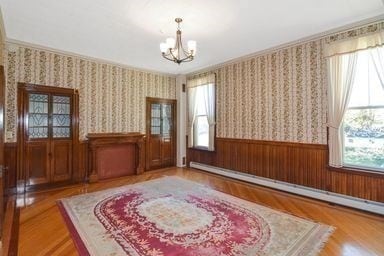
pixel 360 167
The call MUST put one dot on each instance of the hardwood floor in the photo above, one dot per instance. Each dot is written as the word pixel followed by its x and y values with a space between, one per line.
pixel 43 232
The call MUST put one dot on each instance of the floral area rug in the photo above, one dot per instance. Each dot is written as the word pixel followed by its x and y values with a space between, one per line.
pixel 172 216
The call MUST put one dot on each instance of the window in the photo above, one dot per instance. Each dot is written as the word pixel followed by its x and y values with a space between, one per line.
pixel 201 112
pixel 201 126
pixel 363 123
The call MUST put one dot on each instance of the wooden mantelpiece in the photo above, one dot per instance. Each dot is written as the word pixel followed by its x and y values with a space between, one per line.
pixel 113 155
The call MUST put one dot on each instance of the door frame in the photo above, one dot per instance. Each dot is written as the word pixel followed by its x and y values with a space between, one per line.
pixel 149 101
pixel 22 90
pixel 3 175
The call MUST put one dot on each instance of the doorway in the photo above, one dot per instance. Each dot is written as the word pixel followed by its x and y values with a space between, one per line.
pixel 160 133
pixel 47 134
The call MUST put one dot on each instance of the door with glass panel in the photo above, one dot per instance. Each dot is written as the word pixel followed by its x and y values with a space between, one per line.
pixel 161 133
pixel 48 134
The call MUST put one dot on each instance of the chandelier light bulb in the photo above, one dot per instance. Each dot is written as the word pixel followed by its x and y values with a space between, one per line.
pixel 163 47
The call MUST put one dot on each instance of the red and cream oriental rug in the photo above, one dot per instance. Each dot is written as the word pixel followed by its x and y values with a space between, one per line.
pixel 172 216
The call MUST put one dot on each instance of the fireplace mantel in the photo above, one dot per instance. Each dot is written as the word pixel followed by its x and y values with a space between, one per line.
pixel 113 155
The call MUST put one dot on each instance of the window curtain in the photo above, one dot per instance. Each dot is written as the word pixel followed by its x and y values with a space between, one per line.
pixel 341 62
pixel 341 70
pixel 208 80
pixel 377 55
pixel 209 99
pixel 356 44
pixel 191 113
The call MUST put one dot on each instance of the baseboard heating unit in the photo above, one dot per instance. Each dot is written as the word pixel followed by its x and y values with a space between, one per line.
pixel 353 202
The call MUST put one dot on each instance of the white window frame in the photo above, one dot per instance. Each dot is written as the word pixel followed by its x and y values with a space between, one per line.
pixel 346 165
pixel 208 80
pixel 195 130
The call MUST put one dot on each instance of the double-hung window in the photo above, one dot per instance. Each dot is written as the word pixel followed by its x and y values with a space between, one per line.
pixel 356 102
pixel 201 112
pixel 363 122
pixel 201 125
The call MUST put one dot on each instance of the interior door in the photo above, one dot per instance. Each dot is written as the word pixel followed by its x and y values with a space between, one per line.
pixel 161 133
pixel 154 136
pixel 49 133
pixel 167 138
pixel 37 144
pixel 61 138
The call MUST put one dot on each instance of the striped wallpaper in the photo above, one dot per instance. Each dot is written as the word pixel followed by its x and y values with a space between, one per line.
pixel 112 98
pixel 277 96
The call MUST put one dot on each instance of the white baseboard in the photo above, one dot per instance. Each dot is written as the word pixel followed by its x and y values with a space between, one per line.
pixel 366 205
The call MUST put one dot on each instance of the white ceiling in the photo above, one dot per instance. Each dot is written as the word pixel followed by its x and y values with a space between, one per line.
pixel 129 31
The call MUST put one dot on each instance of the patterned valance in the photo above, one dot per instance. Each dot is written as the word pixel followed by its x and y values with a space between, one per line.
pixel 203 80
pixel 355 44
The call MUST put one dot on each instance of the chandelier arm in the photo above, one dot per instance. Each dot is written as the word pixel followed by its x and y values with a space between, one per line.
pixel 186 52
pixel 174 57
pixel 186 59
pixel 171 59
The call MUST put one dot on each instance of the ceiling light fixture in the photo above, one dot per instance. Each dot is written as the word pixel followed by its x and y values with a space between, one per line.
pixel 173 50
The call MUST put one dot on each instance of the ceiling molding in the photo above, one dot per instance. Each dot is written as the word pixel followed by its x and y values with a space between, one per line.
pixel 355 25
pixel 11 41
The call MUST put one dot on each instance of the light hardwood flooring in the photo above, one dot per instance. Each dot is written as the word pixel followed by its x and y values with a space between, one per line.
pixel 43 231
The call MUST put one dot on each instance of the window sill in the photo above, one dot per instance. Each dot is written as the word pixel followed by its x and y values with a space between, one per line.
pixel 358 171
pixel 202 149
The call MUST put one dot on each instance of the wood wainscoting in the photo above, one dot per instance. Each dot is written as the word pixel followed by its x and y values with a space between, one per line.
pixel 296 163
pixel 10 162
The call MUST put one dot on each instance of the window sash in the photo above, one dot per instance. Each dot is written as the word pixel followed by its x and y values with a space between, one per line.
pixel 367 107
pixel 354 166
pixel 196 132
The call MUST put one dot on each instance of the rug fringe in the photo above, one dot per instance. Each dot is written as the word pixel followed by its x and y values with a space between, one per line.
pixel 321 244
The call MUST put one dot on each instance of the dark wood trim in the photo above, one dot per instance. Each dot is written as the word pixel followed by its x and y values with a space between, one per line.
pixel 10 235
pixel 295 163
pixel 10 162
pixel 50 186
pixel 357 171
pixel 3 169
pixel 83 161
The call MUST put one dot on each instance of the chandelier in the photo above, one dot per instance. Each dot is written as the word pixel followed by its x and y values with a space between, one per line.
pixel 173 50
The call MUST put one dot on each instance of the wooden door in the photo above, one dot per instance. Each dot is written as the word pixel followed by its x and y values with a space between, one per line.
pixel 167 136
pixel 37 142
pixel 61 138
pixel 161 133
pixel 48 132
